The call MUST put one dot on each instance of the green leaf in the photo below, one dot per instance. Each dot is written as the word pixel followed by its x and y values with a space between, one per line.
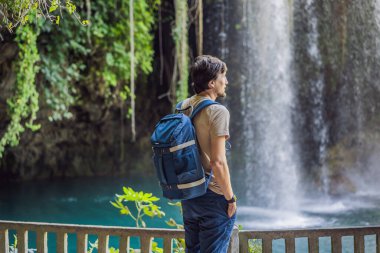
pixel 125 210
pixel 178 203
pixel 113 250
pixel 148 212
pixel 116 204
pixel 25 20
pixel 154 199
pixel 33 127
pixel 155 248
pixel 53 7
pixel 147 195
pixel 70 7
pixel 171 222
pixel 110 59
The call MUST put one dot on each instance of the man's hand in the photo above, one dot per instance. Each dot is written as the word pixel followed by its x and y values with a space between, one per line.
pixel 231 209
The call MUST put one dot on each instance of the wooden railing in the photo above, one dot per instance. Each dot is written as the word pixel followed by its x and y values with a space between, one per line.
pixel 335 236
pixel 239 240
pixel 82 232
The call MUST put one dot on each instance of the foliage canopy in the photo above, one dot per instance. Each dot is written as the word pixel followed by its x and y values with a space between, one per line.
pixel 73 61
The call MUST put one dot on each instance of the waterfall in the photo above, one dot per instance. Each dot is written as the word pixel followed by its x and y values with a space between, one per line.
pixel 317 85
pixel 271 163
pixel 303 95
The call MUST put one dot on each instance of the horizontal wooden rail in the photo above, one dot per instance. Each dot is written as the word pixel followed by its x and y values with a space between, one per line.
pixel 239 240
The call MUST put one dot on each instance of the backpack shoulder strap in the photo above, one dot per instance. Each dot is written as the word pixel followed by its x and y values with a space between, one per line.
pixel 201 106
pixel 179 106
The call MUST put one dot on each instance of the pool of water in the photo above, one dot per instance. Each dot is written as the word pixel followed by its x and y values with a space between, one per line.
pixel 76 201
pixel 87 201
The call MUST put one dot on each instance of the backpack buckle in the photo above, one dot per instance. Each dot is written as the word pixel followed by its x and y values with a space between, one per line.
pixel 161 151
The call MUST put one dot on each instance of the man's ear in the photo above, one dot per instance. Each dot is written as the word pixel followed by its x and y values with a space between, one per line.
pixel 211 84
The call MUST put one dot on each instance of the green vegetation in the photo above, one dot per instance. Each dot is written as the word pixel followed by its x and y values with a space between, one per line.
pixel 76 64
pixel 144 205
pixel 19 12
pixel 23 106
pixel 254 246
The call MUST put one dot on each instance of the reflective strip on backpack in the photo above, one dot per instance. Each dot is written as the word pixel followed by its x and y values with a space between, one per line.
pixel 192 184
pixel 181 146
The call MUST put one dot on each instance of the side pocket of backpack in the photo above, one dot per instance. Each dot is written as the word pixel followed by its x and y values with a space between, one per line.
pixel 157 161
pixel 188 165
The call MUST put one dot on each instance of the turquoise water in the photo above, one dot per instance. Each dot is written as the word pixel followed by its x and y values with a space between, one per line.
pixel 86 201
pixel 77 201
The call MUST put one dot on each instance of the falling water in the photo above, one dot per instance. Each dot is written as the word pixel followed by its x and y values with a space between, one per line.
pixel 317 85
pixel 303 95
pixel 267 95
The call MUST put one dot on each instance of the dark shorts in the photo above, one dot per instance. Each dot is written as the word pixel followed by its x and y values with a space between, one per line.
pixel 207 225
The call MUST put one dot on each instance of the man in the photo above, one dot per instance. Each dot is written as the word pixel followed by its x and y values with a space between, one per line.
pixel 209 219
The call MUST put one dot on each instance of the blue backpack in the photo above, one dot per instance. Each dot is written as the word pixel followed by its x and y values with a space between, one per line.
pixel 176 156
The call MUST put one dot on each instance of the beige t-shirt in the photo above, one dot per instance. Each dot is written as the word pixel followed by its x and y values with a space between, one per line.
pixel 212 120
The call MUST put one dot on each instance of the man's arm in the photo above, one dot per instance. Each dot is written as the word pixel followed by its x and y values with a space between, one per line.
pixel 220 169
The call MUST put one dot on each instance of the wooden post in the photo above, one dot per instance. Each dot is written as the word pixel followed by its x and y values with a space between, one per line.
pixel 146 243
pixel 124 244
pixel 313 244
pixel 103 243
pixel 82 240
pixel 42 242
pixel 61 242
pixel 22 241
pixel 4 240
pixel 243 243
pixel 234 241
pixel 167 244
pixel 336 244
pixel 267 245
pixel 358 243
pixel 289 245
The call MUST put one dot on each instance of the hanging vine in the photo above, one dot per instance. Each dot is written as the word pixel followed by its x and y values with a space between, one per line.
pixel 132 53
pixel 23 106
pixel 180 35
pixel 199 27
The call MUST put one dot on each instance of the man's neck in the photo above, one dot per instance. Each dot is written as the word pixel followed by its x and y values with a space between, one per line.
pixel 207 94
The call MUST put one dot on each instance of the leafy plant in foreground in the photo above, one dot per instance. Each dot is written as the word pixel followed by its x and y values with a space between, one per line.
pixel 144 203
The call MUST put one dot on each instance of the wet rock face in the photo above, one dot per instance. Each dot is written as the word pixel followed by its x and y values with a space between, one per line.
pixel 72 148
pixel 347 40
pixel 353 162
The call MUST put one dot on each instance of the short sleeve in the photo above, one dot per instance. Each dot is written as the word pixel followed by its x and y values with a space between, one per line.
pixel 219 121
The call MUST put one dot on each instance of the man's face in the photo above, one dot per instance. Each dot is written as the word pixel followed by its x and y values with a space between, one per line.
pixel 221 84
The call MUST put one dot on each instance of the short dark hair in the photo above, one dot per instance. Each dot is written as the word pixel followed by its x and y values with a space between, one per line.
pixel 204 69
